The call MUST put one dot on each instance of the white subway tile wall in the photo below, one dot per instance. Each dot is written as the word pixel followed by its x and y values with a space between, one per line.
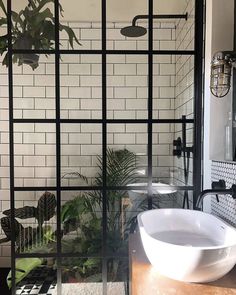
pixel 184 90
pixel 81 97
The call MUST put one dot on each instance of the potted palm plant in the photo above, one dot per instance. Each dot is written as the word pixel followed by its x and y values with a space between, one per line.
pixel 32 28
pixel 83 214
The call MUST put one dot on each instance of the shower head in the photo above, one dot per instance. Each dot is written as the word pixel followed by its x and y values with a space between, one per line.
pixel 133 31
pixel 138 31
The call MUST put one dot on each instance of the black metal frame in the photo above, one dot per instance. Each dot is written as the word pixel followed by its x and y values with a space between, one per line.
pixel 197 121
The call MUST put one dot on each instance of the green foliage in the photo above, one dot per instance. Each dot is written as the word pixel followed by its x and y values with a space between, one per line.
pixel 25 236
pixel 32 28
pixel 83 214
pixel 82 269
pixel 23 267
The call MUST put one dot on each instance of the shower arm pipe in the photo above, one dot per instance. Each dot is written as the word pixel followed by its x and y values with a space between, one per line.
pixel 160 16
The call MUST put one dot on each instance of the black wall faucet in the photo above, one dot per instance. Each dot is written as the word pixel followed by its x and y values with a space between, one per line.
pixel 218 188
pixel 180 145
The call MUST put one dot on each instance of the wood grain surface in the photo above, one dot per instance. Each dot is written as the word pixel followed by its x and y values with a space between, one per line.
pixel 145 280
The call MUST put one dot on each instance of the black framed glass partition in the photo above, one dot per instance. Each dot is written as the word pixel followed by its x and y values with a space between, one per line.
pixel 112 104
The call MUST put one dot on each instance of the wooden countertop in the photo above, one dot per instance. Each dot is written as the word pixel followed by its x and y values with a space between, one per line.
pixel 144 279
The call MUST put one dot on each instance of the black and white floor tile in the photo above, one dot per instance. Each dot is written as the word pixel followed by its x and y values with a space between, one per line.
pixel 41 281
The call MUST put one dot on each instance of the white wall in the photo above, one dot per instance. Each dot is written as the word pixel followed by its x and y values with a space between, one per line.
pixel 221 39
pixel 122 10
pixel 219 36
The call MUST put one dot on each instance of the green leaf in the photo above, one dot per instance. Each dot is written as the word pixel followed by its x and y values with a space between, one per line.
pixel 42 3
pixel 3 44
pixel 16 17
pixel 5 60
pixel 91 262
pixel 3 21
pixel 75 175
pixel 42 16
pixel 23 267
pixel 3 7
pixel 32 4
pixel 22 213
pixel 71 35
pixel 35 23
pixel 47 31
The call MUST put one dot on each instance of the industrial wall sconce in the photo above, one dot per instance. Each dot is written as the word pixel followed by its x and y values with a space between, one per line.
pixel 221 71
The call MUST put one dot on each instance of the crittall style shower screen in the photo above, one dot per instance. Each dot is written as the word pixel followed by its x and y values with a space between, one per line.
pixel 100 253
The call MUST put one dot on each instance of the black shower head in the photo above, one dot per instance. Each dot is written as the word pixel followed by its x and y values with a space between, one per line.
pixel 137 31
pixel 133 31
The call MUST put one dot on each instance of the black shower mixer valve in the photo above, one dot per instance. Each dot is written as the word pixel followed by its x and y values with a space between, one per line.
pixel 181 147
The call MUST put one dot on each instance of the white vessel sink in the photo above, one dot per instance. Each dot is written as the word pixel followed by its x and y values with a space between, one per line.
pixel 188 245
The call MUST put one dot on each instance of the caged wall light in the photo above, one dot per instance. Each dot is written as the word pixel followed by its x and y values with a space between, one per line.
pixel 221 72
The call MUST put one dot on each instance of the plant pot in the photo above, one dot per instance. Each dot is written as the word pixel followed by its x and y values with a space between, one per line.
pixel 31 59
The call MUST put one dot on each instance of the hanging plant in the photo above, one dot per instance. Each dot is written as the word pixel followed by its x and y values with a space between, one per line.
pixel 32 28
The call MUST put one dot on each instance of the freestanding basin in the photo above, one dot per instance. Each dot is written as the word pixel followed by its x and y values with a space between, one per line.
pixel 188 245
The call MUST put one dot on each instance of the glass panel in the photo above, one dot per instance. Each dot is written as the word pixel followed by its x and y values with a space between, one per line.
pixel 120 15
pixel 81 87
pixel 185 30
pixel 127 146
pixel 163 87
pixel 167 168
pixel 34 90
pixel 3 56
pixel 117 276
pixel 184 95
pixel 82 275
pixel 173 86
pixel 81 152
pixel 118 227
pixel 123 206
pixel 81 215
pixel 127 90
pixel 84 18
pixel 174 33
pixel 35 222
pixel 39 276
pixel 34 154
pixel 36 31
pixel 179 165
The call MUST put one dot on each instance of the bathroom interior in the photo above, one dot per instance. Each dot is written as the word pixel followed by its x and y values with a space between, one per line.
pixel 117 131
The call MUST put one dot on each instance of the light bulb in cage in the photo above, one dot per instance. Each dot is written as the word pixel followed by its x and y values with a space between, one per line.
pixel 221 71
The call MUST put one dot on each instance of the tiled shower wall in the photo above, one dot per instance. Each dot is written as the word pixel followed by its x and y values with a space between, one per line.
pixel 184 92
pixel 34 97
pixel 226 208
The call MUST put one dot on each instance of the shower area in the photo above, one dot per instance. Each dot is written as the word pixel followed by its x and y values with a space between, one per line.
pixel 102 126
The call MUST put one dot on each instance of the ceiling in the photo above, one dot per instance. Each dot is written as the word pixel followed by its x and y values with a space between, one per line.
pixel 117 10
